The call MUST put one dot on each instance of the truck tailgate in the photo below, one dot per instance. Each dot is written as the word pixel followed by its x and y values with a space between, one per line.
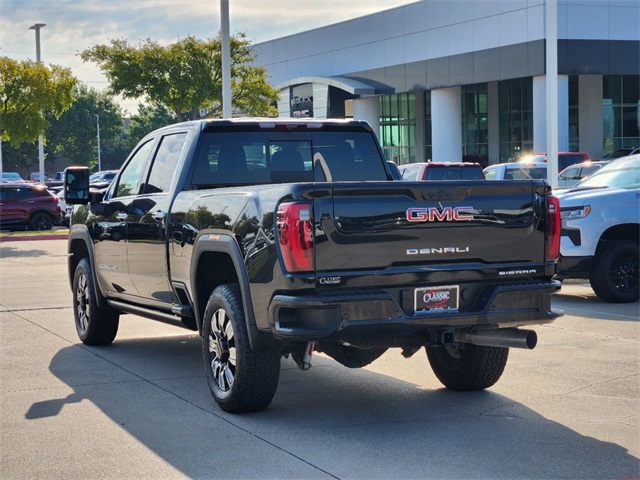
pixel 379 226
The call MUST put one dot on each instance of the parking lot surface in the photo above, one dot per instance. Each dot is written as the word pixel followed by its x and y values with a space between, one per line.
pixel 141 408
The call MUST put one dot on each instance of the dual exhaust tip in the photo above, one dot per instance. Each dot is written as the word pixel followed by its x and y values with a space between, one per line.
pixel 500 337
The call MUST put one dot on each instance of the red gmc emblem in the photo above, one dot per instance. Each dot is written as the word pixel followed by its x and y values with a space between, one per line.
pixel 434 214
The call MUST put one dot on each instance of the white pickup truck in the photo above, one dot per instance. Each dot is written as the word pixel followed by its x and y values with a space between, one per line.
pixel 601 230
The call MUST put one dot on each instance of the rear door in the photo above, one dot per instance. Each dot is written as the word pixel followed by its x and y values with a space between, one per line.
pixel 147 223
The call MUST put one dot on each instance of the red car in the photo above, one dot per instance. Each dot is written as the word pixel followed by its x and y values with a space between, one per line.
pixel 441 171
pixel 30 206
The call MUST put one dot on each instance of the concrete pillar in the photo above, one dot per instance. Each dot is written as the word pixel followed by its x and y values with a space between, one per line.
pixel 540 114
pixel 368 109
pixel 320 100
pixel 493 121
pixel 446 124
pixel 420 121
pixel 590 115
pixel 284 109
pixel 563 113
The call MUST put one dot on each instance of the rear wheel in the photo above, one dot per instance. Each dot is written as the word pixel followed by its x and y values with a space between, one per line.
pixel 41 221
pixel 464 366
pixel 240 380
pixel 95 325
pixel 615 275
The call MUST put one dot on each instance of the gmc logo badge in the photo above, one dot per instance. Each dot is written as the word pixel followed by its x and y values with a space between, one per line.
pixel 434 214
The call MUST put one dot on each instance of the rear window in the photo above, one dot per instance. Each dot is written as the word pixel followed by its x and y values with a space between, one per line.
pixel 248 158
pixel 410 173
pixel 454 173
pixel 525 173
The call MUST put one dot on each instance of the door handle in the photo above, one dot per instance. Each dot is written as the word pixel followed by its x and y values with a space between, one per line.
pixel 159 215
pixel 122 216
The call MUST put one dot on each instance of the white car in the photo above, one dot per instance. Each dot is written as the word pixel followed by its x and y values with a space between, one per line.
pixel 601 230
pixel 573 174
pixel 516 171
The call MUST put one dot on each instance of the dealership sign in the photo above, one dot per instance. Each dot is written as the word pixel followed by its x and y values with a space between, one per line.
pixel 301 101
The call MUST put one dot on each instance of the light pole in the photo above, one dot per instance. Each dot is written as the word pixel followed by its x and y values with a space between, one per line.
pixel 226 59
pixel 98 128
pixel 37 28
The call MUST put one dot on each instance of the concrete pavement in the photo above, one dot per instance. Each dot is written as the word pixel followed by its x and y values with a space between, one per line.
pixel 140 408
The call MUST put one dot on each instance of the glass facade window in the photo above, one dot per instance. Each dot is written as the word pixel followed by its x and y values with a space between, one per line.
pixel 475 123
pixel 515 109
pixel 398 127
pixel 621 111
pixel 574 114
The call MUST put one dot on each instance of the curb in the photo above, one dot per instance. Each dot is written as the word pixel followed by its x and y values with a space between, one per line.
pixel 16 238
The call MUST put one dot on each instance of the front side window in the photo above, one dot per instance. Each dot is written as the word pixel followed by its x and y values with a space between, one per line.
pixel 131 177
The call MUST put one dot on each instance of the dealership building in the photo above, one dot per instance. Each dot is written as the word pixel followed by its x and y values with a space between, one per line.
pixel 488 80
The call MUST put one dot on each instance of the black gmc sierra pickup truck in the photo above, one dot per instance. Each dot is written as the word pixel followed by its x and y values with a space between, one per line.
pixel 281 237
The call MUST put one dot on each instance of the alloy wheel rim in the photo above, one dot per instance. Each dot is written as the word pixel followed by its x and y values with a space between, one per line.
pixel 624 273
pixel 82 300
pixel 222 350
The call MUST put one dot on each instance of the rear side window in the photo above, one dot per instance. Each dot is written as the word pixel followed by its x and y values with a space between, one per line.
pixel 165 162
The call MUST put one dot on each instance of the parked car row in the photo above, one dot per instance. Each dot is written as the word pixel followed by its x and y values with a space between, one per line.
pixel 600 211
pixel 28 205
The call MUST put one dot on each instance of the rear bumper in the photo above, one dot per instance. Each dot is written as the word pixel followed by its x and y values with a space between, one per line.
pixel 390 312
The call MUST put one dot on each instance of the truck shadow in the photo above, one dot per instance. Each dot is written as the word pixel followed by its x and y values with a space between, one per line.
pixel 347 423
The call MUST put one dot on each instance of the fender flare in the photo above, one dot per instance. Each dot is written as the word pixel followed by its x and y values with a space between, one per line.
pixel 225 243
pixel 81 233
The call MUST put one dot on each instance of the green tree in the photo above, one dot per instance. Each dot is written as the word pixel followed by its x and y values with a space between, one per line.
pixel 74 134
pixel 28 90
pixel 186 76
pixel 149 118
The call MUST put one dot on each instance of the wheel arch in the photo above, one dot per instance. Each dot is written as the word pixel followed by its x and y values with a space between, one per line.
pixel 39 211
pixel 623 231
pixel 80 246
pixel 217 260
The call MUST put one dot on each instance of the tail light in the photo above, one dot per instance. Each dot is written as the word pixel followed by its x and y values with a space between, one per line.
pixel 554 228
pixel 295 236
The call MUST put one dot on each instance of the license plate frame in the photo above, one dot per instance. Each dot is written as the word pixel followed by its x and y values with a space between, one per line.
pixel 436 299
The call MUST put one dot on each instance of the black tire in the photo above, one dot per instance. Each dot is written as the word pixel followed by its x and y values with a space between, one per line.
pixel 95 325
pixel 240 380
pixel 615 277
pixel 465 367
pixel 41 221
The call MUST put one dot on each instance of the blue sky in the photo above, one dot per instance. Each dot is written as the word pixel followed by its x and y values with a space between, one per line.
pixel 74 25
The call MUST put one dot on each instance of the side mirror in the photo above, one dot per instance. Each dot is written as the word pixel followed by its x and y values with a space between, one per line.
pixel 76 185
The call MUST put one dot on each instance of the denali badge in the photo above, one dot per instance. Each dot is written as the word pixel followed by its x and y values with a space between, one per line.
pixel 432 214
pixel 428 251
